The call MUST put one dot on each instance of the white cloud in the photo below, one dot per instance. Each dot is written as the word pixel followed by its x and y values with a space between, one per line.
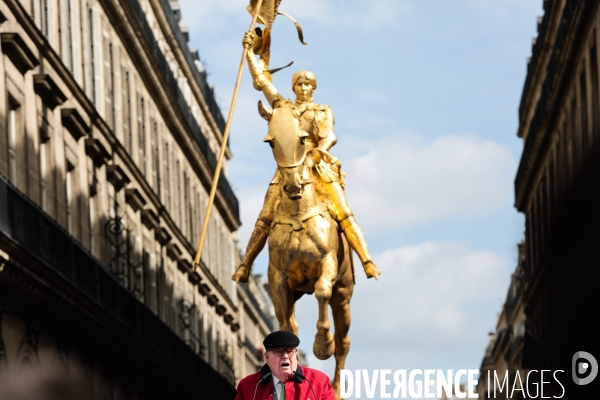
pixel 402 181
pixel 399 182
pixel 430 308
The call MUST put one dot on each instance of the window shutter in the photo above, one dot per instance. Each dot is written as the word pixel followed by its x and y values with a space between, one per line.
pixel 142 133
pixel 74 31
pixel 125 91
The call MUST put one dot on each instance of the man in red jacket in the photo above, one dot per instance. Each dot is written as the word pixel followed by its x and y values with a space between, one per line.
pixel 281 378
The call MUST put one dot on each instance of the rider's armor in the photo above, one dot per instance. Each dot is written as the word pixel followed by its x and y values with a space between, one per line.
pixel 316 127
pixel 317 122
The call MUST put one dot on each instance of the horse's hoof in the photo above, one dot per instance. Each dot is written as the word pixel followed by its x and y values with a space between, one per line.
pixel 324 349
pixel 371 270
pixel 241 274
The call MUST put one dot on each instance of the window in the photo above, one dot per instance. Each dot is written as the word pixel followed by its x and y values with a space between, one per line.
pixel 142 133
pixel 65 33
pixel 127 136
pixel 92 213
pixel 150 286
pixel 109 93
pixel 166 160
pixel 69 189
pixel 155 158
pixel 14 131
pixel 197 219
pixel 43 175
pixel 40 14
pixel 89 56
pixel 189 207
pixel 178 207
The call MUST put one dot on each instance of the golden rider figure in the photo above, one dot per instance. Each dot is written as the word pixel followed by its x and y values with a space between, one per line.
pixel 317 121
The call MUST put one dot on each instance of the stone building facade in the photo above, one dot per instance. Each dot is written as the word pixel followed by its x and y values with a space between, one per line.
pixel 558 190
pixel 503 357
pixel 108 139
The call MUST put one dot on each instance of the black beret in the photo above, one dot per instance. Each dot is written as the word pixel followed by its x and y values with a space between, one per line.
pixel 281 339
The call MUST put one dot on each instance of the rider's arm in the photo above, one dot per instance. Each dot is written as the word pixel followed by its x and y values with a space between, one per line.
pixel 259 78
pixel 327 138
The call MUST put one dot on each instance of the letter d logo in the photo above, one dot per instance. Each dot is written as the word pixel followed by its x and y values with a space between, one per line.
pixel 582 363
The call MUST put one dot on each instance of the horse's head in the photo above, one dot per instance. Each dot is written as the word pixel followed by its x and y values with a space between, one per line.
pixel 287 141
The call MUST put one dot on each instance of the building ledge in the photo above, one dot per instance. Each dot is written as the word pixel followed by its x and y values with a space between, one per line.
pixel 74 123
pixel 150 219
pixel 18 52
pixel 185 266
pixel 173 251
pixel 135 199
pixel 117 177
pixel 48 90
pixel 162 235
pixel 97 152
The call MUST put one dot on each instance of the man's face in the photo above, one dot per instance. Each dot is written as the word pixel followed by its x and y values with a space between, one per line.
pixel 303 89
pixel 282 361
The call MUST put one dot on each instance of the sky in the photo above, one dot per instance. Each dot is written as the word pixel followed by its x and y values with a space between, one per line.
pixel 425 95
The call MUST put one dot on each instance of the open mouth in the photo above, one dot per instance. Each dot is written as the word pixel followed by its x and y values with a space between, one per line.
pixel 285 364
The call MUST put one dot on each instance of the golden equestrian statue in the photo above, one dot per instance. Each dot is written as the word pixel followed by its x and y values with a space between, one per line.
pixel 316 128
pixel 305 216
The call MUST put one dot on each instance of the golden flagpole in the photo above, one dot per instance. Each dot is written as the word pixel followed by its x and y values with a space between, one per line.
pixel 215 182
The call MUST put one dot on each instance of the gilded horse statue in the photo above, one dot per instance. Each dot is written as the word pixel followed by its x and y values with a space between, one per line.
pixel 305 217
pixel 307 252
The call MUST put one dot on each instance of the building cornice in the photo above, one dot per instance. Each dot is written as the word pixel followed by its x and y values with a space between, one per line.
pixel 176 42
pixel 546 113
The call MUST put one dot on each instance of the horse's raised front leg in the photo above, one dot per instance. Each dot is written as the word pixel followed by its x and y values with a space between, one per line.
pixel 283 300
pixel 324 346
